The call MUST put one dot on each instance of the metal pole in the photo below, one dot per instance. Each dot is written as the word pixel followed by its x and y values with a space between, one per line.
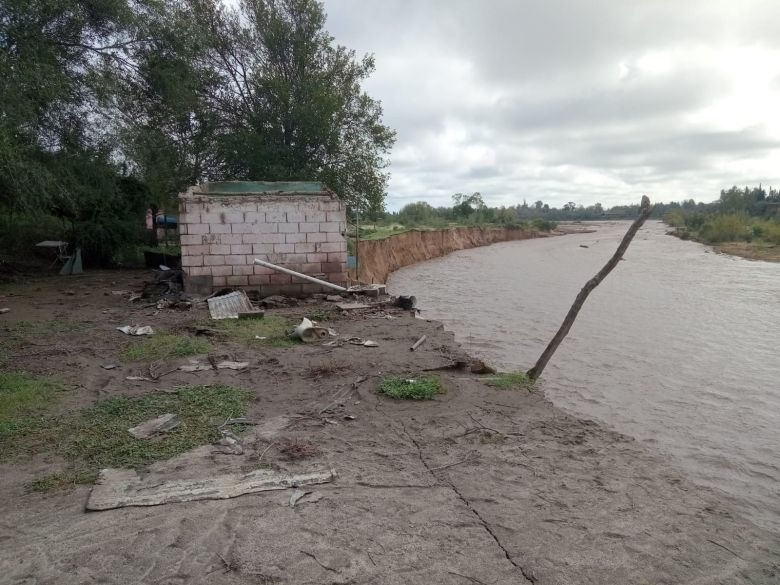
pixel 299 275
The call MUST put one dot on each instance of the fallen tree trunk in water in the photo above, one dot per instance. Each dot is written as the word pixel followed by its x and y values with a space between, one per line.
pixel 537 370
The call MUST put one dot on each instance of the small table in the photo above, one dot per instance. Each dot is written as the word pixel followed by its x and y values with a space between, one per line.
pixel 60 250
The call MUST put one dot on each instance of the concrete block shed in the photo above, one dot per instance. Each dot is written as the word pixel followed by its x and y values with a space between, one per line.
pixel 224 226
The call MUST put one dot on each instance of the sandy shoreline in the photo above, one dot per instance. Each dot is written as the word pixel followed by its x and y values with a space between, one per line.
pixel 479 485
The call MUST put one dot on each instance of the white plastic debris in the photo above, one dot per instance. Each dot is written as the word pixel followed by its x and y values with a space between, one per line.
pixel 308 332
pixel 136 330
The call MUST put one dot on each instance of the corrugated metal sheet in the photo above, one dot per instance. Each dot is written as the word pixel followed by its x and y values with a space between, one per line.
pixel 230 305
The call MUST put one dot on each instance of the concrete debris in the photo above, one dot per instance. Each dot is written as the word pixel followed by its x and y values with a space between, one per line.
pixel 296 496
pixel 138 379
pixel 155 426
pixel 136 330
pixel 418 343
pixel 4 310
pixel 195 368
pixel 229 444
pixel 118 488
pixel 334 298
pixel 480 367
pixel 406 303
pixel 223 365
pixel 363 342
pixel 352 306
pixel 109 366
pixel 308 332
pixel 228 365
pixel 230 305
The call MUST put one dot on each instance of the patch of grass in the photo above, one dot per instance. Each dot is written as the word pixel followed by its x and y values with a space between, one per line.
pixel 22 399
pixel 511 380
pixel 275 329
pixel 164 346
pixel 61 480
pixel 411 388
pixel 322 315
pixel 97 437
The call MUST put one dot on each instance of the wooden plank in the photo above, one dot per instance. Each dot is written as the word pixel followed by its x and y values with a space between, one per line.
pixel 118 488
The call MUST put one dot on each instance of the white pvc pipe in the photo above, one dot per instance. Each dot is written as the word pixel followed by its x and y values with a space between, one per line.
pixel 299 275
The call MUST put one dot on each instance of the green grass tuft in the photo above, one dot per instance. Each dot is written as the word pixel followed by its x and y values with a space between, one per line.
pixel 164 346
pixel 97 437
pixel 411 388
pixel 513 380
pixel 22 399
pixel 275 329
pixel 61 480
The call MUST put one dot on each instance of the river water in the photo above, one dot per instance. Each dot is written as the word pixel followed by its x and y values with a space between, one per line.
pixel 679 347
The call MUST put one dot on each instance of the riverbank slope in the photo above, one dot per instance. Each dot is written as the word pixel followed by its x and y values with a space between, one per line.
pixel 480 484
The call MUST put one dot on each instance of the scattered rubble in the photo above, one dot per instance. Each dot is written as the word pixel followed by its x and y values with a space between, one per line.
pixel 155 426
pixel 136 330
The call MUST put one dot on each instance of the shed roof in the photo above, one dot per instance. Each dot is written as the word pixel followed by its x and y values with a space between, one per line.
pixel 237 187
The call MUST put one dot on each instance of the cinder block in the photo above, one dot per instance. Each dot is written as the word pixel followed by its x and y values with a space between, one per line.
pixel 309 227
pixel 213 260
pixel 258 270
pixel 310 288
pixel 254 217
pixel 232 217
pixel 317 257
pixel 334 247
pixel 244 228
pixel 337 216
pixel 195 250
pixel 190 217
pixel 333 267
pixel 278 215
pixel 279 278
pixel 199 271
pixel 219 228
pixel 222 270
pixel 296 216
pixel 329 226
pixel 241 248
pixel 191 240
pixel 316 216
pixel 191 261
pixel 288 228
pixel 231 239
pixel 294 259
pixel 198 228
pixel 316 237
pixel 219 249
pixel 237 280
pixel 336 277
pixel 259 279
pixel 284 248
pixel 199 284
pixel 235 259
pixel 219 281
pixel 272 238
pixel 263 248
pixel 210 217
pixel 304 248
pixel 245 269
pixel 334 237
pixel 295 238
pixel 311 268
pixel 182 228
pixel 337 257
pixel 250 238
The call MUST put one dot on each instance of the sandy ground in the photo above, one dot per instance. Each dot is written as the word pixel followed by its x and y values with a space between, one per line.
pixel 421 497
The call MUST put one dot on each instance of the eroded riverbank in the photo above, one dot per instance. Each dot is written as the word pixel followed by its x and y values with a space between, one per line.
pixel 478 485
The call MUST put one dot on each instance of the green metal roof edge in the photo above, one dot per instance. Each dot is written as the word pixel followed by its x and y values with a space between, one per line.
pixel 259 187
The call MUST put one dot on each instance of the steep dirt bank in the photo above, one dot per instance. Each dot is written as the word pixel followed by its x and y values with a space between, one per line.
pixel 378 258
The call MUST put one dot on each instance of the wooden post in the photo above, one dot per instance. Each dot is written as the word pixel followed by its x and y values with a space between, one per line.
pixel 537 370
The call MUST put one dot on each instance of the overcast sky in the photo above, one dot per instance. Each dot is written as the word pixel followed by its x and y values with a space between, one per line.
pixel 572 100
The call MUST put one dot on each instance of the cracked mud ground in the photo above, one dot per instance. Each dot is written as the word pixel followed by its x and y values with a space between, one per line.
pixel 479 485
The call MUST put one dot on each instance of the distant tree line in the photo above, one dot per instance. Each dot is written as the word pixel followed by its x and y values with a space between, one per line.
pixel 110 106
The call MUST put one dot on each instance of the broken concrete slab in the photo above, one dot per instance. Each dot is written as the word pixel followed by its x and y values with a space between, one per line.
pixel 155 426
pixel 118 488
pixel 352 306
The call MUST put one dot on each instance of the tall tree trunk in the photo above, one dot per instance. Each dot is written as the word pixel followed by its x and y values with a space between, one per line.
pixel 537 370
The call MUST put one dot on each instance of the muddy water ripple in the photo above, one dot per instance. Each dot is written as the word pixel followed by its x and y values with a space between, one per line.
pixel 678 347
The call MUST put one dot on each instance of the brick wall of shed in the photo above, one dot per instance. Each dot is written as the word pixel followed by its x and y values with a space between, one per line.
pixel 222 235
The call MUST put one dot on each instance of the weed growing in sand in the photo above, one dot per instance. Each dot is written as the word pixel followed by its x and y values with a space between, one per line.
pixel 491 438
pixel 297 448
pixel 408 388
pixel 514 380
pixel 164 346
pixel 97 437
pixel 274 329
pixel 325 369
pixel 322 315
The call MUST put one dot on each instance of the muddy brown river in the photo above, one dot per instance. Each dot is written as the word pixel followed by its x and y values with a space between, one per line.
pixel 679 347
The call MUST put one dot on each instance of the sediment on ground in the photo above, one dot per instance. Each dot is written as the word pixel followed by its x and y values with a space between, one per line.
pixel 379 258
pixel 480 484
